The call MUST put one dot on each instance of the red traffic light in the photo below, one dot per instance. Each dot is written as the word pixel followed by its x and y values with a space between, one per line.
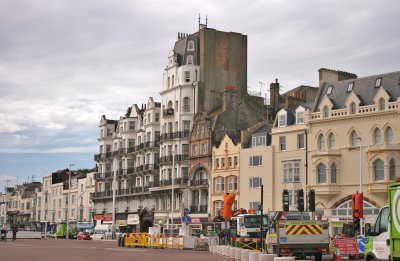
pixel 356 214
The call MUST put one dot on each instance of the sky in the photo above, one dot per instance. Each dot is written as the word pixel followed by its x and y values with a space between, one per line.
pixel 64 63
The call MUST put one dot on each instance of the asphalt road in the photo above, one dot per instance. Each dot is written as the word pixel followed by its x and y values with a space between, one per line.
pixel 74 250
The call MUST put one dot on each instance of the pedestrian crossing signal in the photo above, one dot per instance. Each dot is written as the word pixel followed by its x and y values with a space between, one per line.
pixel 356 222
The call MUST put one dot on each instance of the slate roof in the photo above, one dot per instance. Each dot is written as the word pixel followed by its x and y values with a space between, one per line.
pixel 181 52
pixel 363 87
pixel 266 128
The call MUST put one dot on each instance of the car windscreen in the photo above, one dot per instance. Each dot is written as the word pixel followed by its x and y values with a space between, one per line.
pixel 254 221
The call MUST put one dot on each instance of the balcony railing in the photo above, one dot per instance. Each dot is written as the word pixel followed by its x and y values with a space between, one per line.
pixel 199 209
pixel 120 192
pixel 168 112
pixel 168 182
pixel 198 182
pixel 168 159
pixel 175 135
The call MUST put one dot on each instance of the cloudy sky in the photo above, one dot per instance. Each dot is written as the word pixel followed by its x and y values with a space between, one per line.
pixel 64 63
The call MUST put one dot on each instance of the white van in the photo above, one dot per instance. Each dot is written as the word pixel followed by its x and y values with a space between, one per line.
pixel 104 231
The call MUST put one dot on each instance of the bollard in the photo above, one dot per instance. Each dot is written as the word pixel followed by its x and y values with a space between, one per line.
pixel 287 258
pixel 238 252
pixel 266 257
pixel 244 255
pixel 219 250
pixel 225 251
pixel 232 253
pixel 253 256
pixel 211 249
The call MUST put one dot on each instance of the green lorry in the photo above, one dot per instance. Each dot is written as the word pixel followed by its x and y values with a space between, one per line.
pixel 384 237
pixel 61 231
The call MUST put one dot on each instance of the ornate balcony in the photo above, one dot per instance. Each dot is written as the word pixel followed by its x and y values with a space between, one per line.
pixel 199 182
pixel 199 209
pixel 168 159
pixel 168 112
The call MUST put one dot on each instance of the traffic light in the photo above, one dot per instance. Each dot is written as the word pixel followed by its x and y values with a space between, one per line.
pixel 356 222
pixel 311 200
pixel 285 199
pixel 357 201
pixel 300 200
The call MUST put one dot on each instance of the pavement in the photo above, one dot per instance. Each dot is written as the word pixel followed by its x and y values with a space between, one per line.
pixel 62 249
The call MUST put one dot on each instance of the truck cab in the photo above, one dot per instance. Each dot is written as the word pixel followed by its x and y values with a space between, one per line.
pixel 377 247
pixel 249 225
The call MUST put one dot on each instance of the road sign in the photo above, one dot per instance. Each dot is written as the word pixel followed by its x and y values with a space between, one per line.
pixel 347 246
pixel 361 241
pixel 185 219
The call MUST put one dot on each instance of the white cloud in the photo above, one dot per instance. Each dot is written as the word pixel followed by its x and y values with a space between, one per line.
pixel 63 64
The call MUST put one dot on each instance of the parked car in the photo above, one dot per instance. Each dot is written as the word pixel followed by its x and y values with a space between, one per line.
pixel 83 236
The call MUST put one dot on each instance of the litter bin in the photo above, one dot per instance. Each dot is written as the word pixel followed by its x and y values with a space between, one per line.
pixel 119 240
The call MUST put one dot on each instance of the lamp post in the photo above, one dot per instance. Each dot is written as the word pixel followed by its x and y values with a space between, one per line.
pixel 69 191
pixel 360 140
pixel 172 198
pixel 114 187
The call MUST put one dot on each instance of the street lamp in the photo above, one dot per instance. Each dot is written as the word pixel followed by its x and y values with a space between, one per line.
pixel 69 191
pixel 358 138
pixel 361 221
pixel 172 198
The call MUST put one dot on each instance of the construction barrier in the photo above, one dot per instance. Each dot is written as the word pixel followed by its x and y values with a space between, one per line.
pixel 153 241
pixel 251 244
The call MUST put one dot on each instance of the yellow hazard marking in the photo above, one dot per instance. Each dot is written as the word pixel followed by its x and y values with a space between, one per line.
pixel 303 229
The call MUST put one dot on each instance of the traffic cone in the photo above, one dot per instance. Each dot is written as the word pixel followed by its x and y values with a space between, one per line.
pixel 336 255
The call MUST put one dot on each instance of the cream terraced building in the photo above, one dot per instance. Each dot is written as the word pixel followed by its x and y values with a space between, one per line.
pixel 353 122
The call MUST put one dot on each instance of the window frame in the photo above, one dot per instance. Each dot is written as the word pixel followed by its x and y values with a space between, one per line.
pixel 321 176
pixel 329 91
pixel 253 183
pixel 350 87
pixel 333 171
pixel 331 141
pixel 353 108
pixel 379 170
pixel 377 136
pixel 291 171
pixel 253 161
pixel 389 135
pixel 299 117
pixel 282 143
pixel 301 141
pixel 378 82
pixel 186 104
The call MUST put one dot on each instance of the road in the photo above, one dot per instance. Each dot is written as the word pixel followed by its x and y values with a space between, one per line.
pixel 73 250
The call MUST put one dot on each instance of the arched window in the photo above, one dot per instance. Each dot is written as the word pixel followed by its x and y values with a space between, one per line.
pixel 333 173
pixel 332 141
pixel 321 173
pixel 190 45
pixel 326 112
pixel 389 135
pixel 186 104
pixel 352 108
pixel 392 170
pixel 379 173
pixel 169 106
pixel 321 142
pixel 189 59
pixel 377 136
pixel 381 104
pixel 354 138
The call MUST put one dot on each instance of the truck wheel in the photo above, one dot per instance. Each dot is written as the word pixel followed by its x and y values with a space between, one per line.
pixel 318 257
